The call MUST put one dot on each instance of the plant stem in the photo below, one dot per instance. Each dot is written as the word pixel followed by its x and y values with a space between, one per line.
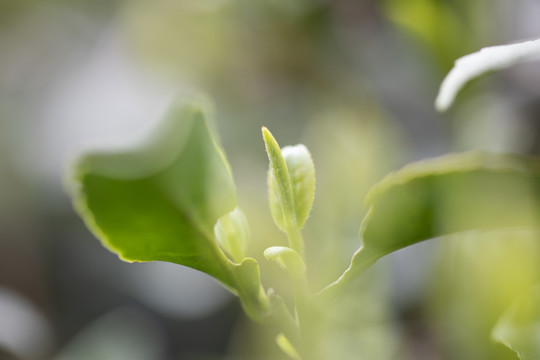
pixel 296 241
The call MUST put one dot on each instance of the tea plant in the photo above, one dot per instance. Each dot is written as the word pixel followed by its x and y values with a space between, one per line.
pixel 173 198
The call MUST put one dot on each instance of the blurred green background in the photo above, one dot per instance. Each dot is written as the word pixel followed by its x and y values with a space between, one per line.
pixel 354 80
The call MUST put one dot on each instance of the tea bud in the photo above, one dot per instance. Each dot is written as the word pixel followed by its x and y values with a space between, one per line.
pixel 232 234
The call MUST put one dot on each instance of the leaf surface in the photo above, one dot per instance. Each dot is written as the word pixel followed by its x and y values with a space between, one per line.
pixel 302 176
pixel 438 197
pixel 487 59
pixel 159 200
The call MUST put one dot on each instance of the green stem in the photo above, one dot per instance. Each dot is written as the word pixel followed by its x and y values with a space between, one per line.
pixel 296 241
pixel 307 318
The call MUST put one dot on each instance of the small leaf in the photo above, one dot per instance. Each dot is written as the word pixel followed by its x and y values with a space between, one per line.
pixel 279 185
pixel 232 233
pixel 159 201
pixel 274 199
pixel 302 177
pixel 247 279
pixel 487 59
pixel 519 326
pixel 452 194
pixel 288 259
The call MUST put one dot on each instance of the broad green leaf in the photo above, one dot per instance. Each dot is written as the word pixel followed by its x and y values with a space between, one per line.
pixel 487 59
pixel 519 327
pixel 302 177
pixel 452 194
pixel 161 199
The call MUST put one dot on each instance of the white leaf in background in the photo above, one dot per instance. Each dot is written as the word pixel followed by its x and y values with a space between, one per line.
pixel 487 59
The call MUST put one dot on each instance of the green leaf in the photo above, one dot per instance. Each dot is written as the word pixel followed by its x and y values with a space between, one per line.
pixel 160 200
pixel 487 59
pixel 519 326
pixel 232 233
pixel 279 185
pixel 288 259
pixel 302 177
pixel 452 194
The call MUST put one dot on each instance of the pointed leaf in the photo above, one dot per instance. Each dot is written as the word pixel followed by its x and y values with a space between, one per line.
pixel 455 193
pixel 279 185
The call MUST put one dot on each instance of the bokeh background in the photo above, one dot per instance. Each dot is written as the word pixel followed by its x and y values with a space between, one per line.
pixel 355 80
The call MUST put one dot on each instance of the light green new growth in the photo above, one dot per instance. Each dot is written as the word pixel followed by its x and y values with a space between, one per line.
pixel 279 186
pixel 232 233
pixel 291 188
pixel 286 346
pixel 302 177
pixel 173 198
pixel 288 259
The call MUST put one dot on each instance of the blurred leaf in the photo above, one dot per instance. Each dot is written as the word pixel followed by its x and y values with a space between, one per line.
pixel 286 346
pixel 439 24
pixel 519 326
pixel 160 200
pixel 455 193
pixel 481 62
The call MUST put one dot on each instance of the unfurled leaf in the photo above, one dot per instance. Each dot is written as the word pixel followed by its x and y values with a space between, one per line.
pixel 519 327
pixel 161 199
pixel 452 194
pixel 481 62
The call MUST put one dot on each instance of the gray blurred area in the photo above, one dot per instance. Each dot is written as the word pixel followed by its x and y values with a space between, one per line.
pixel 354 80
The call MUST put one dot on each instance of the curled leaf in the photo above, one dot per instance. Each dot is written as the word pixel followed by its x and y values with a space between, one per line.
pixel 487 59
pixel 232 233
pixel 302 178
pixel 288 259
